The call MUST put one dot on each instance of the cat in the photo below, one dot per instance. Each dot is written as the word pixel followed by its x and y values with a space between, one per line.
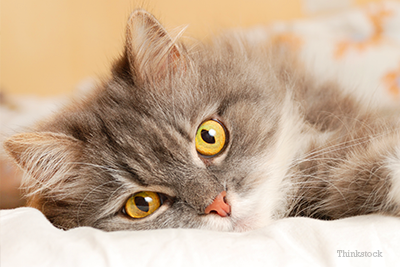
pixel 227 135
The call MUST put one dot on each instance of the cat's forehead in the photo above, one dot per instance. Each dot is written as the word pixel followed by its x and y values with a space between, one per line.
pixel 195 94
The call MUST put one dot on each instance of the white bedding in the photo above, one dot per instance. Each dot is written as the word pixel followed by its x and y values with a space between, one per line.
pixel 28 239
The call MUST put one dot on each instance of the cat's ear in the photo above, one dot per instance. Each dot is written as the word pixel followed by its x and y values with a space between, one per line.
pixel 151 52
pixel 44 156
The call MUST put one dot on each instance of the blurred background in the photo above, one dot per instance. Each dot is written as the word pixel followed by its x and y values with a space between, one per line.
pixel 48 47
pixel 51 48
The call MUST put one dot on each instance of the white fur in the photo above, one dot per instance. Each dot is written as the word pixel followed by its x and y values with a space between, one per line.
pixel 260 208
pixel 394 165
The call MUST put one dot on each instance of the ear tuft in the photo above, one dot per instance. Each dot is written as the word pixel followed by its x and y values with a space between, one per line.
pixel 152 53
pixel 44 157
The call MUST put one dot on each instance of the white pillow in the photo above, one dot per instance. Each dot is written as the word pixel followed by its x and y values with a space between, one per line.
pixel 28 239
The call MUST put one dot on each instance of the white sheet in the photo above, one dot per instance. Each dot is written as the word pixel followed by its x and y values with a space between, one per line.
pixel 28 239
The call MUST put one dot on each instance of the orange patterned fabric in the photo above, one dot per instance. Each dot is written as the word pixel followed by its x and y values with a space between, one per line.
pixel 376 16
pixel 358 48
pixel 392 81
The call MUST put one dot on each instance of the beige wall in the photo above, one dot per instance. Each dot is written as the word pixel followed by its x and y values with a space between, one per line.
pixel 48 46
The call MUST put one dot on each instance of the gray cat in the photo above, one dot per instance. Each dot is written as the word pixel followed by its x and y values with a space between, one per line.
pixel 227 136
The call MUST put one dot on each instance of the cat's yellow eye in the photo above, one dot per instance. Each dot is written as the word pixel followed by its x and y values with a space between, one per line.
pixel 142 204
pixel 210 138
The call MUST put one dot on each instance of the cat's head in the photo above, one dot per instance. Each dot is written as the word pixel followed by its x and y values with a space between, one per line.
pixel 180 136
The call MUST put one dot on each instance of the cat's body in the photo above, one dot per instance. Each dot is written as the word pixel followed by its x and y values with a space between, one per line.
pixel 292 146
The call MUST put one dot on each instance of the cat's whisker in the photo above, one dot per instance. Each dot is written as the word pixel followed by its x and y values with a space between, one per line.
pixel 339 146
pixel 87 196
pixel 110 209
pixel 367 138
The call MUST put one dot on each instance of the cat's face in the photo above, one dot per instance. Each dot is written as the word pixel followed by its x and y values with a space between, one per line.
pixel 169 133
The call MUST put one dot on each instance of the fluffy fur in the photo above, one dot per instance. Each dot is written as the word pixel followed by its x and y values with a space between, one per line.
pixel 297 147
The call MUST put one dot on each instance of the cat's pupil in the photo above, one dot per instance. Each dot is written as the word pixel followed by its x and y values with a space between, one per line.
pixel 142 204
pixel 208 136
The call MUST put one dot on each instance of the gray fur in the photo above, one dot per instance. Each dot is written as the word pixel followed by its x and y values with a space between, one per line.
pixel 296 147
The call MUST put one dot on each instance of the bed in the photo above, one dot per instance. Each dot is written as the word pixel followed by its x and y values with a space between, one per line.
pixel 28 239
pixel 360 49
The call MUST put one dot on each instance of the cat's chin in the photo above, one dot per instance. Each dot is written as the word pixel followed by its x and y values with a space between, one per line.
pixel 217 223
pixel 245 225
pixel 231 224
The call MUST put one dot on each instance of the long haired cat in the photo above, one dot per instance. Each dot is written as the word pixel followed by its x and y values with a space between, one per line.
pixel 227 136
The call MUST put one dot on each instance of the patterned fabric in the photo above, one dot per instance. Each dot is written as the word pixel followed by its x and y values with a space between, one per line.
pixel 359 48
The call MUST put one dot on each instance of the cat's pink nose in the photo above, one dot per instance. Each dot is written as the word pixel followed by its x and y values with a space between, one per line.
pixel 219 206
